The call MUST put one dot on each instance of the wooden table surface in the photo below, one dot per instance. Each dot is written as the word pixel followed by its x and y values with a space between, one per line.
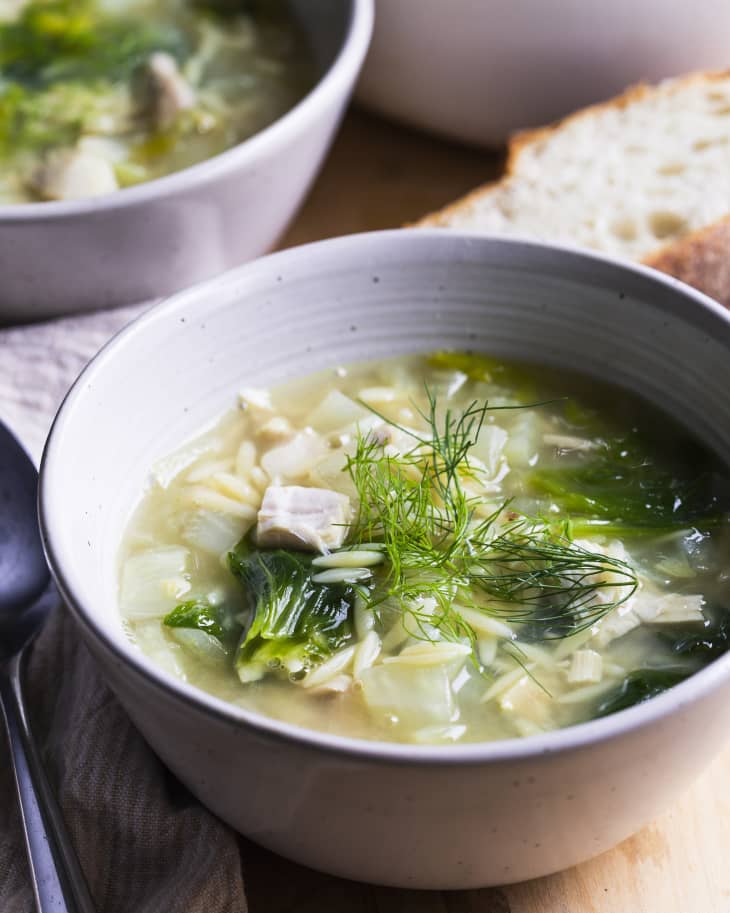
pixel 380 176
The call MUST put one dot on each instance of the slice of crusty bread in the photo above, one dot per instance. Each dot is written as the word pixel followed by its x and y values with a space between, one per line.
pixel 644 176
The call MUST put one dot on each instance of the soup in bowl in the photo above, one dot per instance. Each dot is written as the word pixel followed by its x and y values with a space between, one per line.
pixel 98 96
pixel 448 644
pixel 436 548
pixel 148 145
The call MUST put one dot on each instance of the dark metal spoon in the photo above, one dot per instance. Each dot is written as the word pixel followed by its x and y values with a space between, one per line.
pixel 26 597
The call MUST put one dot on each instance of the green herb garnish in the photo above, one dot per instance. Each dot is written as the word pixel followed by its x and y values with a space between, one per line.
pixel 437 544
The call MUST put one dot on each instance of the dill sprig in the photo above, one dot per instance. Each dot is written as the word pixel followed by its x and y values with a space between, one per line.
pixel 542 578
pixel 518 569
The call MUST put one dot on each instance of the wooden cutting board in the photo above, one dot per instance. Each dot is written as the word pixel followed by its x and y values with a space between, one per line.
pixel 381 176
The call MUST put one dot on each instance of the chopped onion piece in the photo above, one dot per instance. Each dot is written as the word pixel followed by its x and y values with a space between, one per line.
pixel 295 458
pixel 336 411
pixel 585 666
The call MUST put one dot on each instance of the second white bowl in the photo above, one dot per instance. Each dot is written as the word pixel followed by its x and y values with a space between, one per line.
pixel 476 70
pixel 149 240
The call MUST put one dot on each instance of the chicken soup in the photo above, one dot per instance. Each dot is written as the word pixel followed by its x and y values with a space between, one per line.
pixel 101 94
pixel 434 549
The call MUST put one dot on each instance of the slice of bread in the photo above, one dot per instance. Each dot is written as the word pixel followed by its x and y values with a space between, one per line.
pixel 644 176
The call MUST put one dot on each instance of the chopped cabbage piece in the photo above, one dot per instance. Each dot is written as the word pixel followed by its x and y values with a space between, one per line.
pixel 416 696
pixel 153 581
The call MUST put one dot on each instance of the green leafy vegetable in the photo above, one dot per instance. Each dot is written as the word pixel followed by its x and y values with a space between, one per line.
pixel 709 642
pixel 295 623
pixel 37 120
pixel 619 487
pixel 55 40
pixel 202 616
pixel 486 369
pixel 640 686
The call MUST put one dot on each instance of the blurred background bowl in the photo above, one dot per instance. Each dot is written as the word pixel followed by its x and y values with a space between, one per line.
pixel 149 240
pixel 476 70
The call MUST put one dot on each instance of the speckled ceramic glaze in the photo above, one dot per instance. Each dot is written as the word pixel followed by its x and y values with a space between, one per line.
pixel 149 240
pixel 447 817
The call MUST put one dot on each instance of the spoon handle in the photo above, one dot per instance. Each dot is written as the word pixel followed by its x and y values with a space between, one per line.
pixel 58 882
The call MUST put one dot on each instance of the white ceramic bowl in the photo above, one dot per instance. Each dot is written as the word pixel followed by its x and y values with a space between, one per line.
pixel 149 240
pixel 447 817
pixel 478 69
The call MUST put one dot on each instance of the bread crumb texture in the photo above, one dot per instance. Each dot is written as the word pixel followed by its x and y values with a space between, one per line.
pixel 628 177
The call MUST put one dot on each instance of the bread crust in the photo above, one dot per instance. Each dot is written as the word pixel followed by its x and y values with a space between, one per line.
pixel 701 259
pixel 524 138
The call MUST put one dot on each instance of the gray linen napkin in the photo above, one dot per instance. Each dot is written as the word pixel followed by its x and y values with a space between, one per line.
pixel 145 844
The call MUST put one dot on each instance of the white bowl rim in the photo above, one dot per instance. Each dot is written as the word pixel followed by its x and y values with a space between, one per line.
pixel 571 738
pixel 341 71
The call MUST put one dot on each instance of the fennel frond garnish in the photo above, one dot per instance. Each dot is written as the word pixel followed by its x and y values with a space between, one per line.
pixel 440 547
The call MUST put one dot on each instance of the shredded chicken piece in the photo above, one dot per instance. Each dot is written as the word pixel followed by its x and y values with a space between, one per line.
pixel 72 174
pixel 313 519
pixel 165 91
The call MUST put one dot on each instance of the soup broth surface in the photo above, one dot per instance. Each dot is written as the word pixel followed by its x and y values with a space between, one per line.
pixel 517 549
